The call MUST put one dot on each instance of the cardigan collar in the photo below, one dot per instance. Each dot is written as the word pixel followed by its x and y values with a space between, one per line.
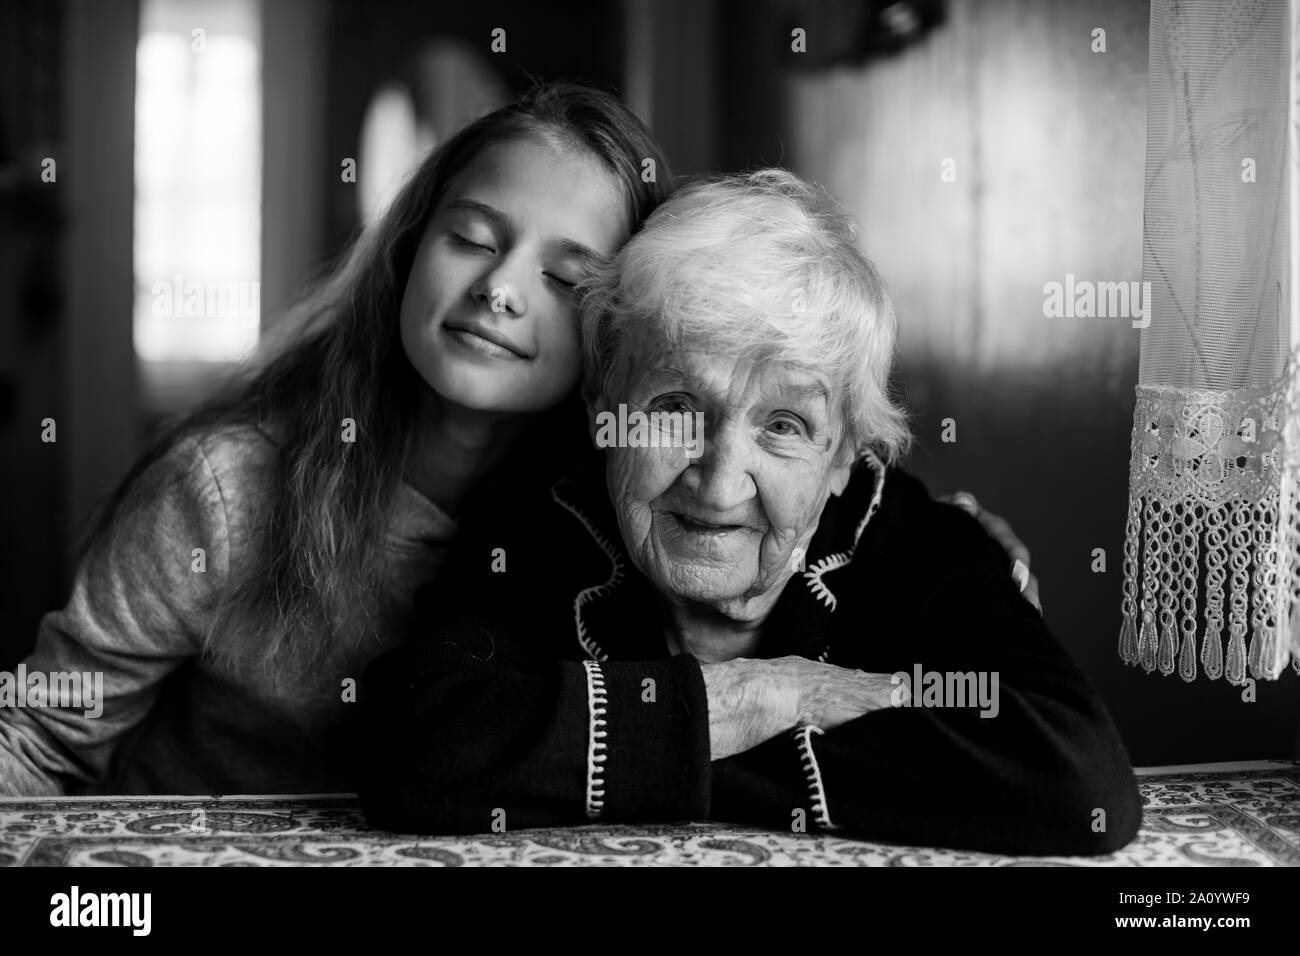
pixel 609 611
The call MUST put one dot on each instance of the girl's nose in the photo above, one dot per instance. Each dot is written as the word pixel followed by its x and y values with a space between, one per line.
pixel 500 290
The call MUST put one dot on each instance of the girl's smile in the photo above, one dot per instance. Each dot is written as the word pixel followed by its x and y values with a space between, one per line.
pixel 482 340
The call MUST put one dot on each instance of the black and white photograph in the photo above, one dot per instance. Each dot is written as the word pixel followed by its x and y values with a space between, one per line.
pixel 651 433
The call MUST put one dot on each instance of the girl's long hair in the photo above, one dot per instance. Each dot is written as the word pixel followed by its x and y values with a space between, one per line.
pixel 314 578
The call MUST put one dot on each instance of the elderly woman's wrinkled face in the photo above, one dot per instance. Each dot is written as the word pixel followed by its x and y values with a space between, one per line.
pixel 721 529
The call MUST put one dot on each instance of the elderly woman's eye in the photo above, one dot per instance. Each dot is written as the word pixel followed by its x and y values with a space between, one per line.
pixel 669 403
pixel 787 426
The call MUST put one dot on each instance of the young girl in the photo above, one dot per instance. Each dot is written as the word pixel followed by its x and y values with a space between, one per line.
pixel 267 547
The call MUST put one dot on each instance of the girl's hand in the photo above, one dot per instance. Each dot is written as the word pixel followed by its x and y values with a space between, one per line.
pixel 1001 532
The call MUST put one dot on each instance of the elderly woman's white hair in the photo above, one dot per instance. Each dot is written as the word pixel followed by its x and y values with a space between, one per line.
pixel 761 265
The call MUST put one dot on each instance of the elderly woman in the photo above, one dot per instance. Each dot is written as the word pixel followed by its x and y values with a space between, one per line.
pixel 766 621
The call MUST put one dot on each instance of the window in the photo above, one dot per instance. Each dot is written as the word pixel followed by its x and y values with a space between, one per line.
pixel 198 159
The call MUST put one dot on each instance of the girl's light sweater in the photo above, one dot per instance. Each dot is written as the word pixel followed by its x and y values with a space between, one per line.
pixel 173 720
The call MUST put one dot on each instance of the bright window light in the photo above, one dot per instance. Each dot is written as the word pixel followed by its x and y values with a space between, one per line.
pixel 198 192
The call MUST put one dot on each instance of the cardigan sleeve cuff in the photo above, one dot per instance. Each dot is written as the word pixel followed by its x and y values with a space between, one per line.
pixel 812 773
pixel 647 740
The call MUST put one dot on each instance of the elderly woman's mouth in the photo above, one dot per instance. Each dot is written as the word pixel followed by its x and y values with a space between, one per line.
pixel 701 526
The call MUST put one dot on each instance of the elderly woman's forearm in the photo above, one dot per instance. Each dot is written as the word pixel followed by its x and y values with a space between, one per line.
pixel 1047 776
pixel 1046 773
pixel 467 736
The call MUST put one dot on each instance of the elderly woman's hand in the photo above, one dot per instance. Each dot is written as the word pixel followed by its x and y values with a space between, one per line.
pixel 1000 531
pixel 751 701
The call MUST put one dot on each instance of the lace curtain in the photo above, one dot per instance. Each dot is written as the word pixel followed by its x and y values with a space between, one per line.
pixel 1212 545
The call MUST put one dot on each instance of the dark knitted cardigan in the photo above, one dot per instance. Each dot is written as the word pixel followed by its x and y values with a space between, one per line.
pixel 537 689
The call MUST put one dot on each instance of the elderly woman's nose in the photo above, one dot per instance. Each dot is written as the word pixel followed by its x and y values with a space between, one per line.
pixel 722 477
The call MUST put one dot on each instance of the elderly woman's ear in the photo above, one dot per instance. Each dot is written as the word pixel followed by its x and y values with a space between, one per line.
pixel 842 469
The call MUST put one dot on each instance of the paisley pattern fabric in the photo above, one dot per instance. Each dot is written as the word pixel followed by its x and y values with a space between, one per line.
pixel 1219 815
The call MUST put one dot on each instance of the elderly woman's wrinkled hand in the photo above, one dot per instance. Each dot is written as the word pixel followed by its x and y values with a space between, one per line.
pixel 751 701
pixel 834 695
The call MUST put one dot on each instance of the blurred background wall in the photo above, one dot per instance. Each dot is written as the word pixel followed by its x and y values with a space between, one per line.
pixel 986 149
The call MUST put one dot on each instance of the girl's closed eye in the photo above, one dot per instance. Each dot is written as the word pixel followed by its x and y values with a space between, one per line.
pixel 466 243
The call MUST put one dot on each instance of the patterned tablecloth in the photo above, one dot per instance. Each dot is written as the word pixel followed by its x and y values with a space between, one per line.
pixel 1209 815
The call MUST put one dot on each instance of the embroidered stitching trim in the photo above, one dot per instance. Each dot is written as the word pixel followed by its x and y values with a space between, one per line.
pixel 597 704
pixel 813 771
pixel 834 562
pixel 589 644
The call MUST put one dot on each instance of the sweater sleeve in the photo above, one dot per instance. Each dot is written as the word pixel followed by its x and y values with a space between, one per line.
pixel 1038 769
pixel 467 733
pixel 136 612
